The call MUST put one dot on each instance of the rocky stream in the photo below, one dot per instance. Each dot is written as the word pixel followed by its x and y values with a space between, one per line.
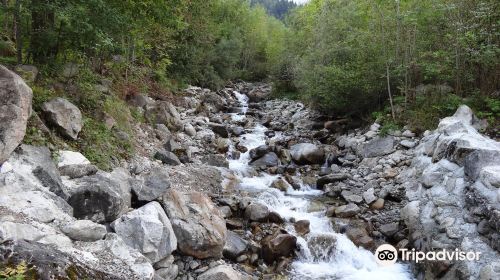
pixel 234 185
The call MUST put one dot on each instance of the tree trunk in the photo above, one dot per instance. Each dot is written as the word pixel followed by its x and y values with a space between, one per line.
pixel 17 28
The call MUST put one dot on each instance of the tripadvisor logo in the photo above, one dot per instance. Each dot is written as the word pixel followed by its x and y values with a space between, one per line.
pixel 387 255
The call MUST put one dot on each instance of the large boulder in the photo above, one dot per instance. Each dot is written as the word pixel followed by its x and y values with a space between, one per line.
pixel 15 109
pixel 47 262
pixel 307 153
pixel 148 230
pixel 98 198
pixel 197 223
pixel 378 146
pixel 112 254
pixel 44 168
pixel 478 159
pixel 64 116
pixel 221 272
pixel 151 185
pixel 275 247
pixel 165 113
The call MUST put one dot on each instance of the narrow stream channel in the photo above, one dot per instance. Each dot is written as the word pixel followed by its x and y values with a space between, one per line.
pixel 323 253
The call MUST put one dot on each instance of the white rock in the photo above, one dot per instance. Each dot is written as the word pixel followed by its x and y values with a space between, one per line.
pixel 71 158
pixel 84 230
pixel 148 230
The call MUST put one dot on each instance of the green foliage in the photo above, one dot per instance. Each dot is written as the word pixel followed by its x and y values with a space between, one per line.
pixel 276 8
pixel 41 95
pixel 388 126
pixel 340 54
pixel 19 272
pixel 103 146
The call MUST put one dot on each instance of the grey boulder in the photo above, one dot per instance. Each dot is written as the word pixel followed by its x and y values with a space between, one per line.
pixel 197 223
pixel 307 153
pixel 268 160
pixel 378 146
pixel 148 230
pixel 150 186
pixel 98 198
pixel 84 230
pixel 15 109
pixel 235 246
pixel 64 116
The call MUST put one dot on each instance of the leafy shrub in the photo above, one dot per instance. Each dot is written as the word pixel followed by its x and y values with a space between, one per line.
pixel 14 273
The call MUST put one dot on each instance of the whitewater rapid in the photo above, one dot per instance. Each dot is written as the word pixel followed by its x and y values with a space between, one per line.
pixel 337 257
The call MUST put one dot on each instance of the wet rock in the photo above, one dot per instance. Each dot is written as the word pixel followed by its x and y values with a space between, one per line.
pixel 219 129
pixel 223 145
pixel 221 272
pixel 78 170
pixel 322 246
pixel 259 152
pixel 64 116
pixel 359 236
pixel 15 109
pixel 347 211
pixel 302 227
pixel 307 153
pixel 330 178
pixel 237 131
pixel 84 230
pixel 378 147
pixel 148 230
pixel 257 212
pixel 197 223
pixel 274 217
pixel 282 245
pixel 167 157
pixel 280 184
pixel 235 246
pixel 151 185
pixel 269 160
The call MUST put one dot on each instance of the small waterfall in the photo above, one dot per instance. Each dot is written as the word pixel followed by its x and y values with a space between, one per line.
pixel 323 253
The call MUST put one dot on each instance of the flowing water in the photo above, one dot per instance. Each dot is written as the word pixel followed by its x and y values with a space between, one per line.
pixel 323 253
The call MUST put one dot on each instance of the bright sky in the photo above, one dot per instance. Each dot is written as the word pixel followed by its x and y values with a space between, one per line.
pixel 300 1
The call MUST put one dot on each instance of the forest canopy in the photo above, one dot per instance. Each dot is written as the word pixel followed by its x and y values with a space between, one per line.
pixel 412 59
